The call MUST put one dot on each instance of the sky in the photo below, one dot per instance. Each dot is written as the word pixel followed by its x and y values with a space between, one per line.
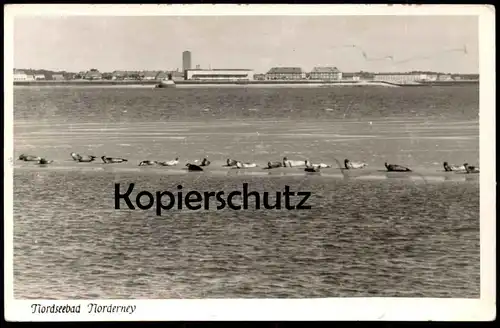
pixel 390 43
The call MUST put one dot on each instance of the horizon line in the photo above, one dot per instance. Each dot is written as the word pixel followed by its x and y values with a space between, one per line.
pixel 246 69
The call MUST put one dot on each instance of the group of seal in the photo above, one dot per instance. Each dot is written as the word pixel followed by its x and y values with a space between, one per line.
pixel 285 162
pixel 90 158
pixel 464 167
pixel 113 160
pixel 348 165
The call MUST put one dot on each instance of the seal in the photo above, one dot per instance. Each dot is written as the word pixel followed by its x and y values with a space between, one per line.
pixel 29 158
pixel 241 165
pixel 396 168
pixel 83 159
pixel 110 160
pixel 147 162
pixel 192 167
pixel 205 162
pixel 348 164
pixel 43 161
pixel 274 165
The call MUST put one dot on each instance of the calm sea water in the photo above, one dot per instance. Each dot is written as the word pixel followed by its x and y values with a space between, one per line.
pixel 367 234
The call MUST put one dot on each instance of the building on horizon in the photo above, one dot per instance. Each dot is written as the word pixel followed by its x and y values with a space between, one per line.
pixel 148 75
pixel 118 75
pixel 58 77
pixel 444 77
pixel 68 76
pixel 133 76
pixel 365 76
pixel 162 75
pixel 40 77
pixel 325 73
pixel 186 60
pixel 176 75
pixel 351 76
pixel 401 78
pixel 80 75
pixel 474 77
pixel 166 75
pixel 219 74
pixel 22 76
pixel 93 74
pixel 429 76
pixel 285 73
pixel 259 77
pixel 126 75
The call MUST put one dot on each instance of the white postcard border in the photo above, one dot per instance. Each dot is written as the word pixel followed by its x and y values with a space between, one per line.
pixel 405 309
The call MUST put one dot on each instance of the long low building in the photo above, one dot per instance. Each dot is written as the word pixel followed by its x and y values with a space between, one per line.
pixel 219 74
pixel 22 76
pixel 404 77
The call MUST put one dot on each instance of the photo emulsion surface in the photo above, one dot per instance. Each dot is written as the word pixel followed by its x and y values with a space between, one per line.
pixel 185 157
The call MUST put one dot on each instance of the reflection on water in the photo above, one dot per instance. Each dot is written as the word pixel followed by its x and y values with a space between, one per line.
pixel 368 233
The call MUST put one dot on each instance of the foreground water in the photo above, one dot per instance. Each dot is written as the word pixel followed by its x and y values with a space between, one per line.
pixel 367 234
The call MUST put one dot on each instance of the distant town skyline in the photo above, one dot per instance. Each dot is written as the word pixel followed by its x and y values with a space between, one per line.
pixel 350 43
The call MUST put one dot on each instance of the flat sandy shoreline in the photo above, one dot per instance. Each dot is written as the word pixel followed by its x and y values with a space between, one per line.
pixel 188 83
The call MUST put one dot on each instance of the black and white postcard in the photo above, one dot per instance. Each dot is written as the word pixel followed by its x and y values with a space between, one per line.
pixel 226 162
